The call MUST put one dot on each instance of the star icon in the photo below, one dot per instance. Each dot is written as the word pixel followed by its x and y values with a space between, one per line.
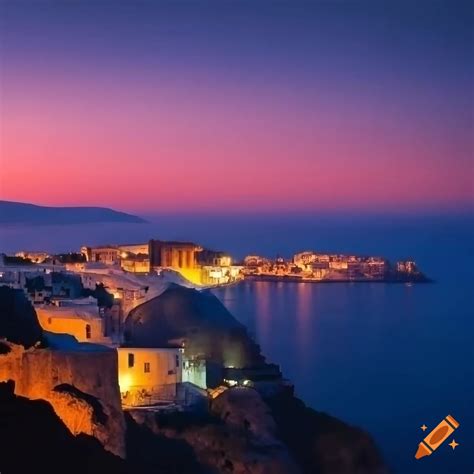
pixel 424 427
pixel 453 444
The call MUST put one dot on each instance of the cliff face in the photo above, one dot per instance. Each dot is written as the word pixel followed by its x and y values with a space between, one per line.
pixel 247 434
pixel 239 437
pixel 82 388
pixel 34 439
pixel 321 443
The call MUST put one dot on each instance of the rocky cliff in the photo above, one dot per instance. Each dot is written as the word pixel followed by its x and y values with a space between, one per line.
pixel 320 443
pixel 78 380
pixel 238 436
pixel 35 439
pixel 246 434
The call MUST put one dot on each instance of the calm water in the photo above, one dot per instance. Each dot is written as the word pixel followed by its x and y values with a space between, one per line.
pixel 385 357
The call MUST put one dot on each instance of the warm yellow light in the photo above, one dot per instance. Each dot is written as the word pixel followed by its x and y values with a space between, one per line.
pixel 124 254
pixel 125 382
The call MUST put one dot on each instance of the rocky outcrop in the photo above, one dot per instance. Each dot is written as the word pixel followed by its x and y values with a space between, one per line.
pixel 244 409
pixel 34 439
pixel 81 386
pixel 321 443
pixel 18 321
pixel 239 437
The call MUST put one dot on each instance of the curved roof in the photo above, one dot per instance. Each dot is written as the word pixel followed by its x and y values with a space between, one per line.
pixel 199 318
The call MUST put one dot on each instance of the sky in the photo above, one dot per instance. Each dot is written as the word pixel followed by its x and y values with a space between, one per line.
pixel 238 106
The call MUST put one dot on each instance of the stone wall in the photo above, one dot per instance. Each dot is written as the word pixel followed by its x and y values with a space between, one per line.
pixel 81 385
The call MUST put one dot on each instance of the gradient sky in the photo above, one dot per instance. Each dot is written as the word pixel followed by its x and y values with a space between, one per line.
pixel 151 106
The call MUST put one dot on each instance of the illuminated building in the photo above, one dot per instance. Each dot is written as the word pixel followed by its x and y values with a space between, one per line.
pixel 135 263
pixel 79 318
pixel 35 257
pixel 407 266
pixel 178 256
pixel 149 375
pixel 107 254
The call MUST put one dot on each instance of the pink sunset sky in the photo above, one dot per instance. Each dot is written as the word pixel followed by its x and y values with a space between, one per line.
pixel 241 117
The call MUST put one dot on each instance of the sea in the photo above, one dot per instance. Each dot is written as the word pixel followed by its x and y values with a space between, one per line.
pixel 388 358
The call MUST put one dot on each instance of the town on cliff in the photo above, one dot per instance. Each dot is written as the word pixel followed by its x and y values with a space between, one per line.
pixel 118 336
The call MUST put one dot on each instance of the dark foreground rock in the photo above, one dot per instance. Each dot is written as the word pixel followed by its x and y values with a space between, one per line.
pixel 322 444
pixel 34 439
pixel 237 437
pixel 18 321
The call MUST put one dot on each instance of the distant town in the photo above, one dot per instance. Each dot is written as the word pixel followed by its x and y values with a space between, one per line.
pixel 205 267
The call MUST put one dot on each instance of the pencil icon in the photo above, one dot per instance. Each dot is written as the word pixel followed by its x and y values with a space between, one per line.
pixel 436 437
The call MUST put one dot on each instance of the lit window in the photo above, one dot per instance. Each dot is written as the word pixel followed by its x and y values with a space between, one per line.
pixel 131 360
pixel 88 331
pixel 146 367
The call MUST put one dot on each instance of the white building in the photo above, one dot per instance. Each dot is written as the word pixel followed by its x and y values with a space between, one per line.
pixel 149 375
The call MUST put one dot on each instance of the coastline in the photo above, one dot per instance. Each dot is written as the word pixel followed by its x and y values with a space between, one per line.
pixel 291 279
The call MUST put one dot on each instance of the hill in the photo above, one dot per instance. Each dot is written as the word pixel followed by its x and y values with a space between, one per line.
pixel 24 213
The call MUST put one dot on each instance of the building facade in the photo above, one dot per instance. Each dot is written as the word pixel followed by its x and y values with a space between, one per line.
pixel 149 375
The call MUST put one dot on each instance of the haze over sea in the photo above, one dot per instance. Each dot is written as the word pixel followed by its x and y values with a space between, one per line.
pixel 386 357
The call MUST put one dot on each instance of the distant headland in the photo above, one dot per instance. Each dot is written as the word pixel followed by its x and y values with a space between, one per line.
pixel 25 213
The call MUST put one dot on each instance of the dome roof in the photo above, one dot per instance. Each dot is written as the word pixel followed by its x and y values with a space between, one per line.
pixel 199 318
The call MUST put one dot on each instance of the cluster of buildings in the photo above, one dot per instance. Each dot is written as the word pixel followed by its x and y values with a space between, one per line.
pixel 311 265
pixel 92 306
pixel 89 296
pixel 199 266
